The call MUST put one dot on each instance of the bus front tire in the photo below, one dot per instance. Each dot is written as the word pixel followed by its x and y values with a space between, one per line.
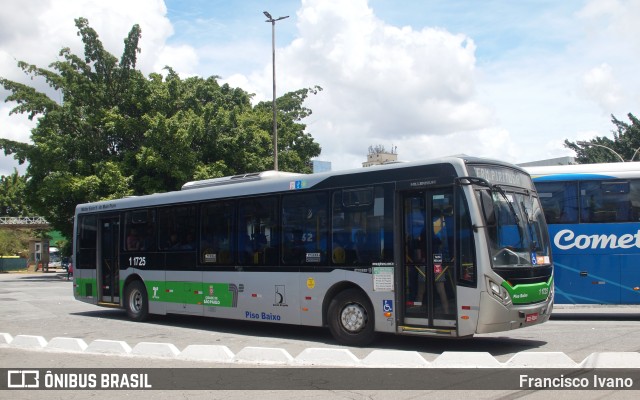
pixel 136 301
pixel 350 318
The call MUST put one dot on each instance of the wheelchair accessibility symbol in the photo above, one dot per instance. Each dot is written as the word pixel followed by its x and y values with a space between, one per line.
pixel 387 305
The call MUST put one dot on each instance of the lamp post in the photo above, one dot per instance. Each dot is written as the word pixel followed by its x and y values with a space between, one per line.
pixel 273 58
pixel 634 154
pixel 587 144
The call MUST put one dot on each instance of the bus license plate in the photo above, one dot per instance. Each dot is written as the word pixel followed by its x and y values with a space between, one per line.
pixel 531 317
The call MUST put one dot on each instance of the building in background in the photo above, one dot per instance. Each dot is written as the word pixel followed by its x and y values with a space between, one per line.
pixel 320 166
pixel 378 155
pixel 550 162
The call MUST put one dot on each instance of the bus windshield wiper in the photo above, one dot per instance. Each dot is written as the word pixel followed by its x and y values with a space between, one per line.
pixel 504 195
pixel 532 237
pixel 513 212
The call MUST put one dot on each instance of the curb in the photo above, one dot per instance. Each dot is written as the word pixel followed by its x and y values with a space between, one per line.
pixel 263 355
pixel 203 352
pixel 108 347
pixel 320 356
pixel 67 344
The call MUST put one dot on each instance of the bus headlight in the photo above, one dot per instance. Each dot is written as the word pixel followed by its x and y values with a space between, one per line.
pixel 499 292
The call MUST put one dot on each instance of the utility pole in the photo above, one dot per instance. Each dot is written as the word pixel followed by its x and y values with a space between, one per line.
pixel 273 58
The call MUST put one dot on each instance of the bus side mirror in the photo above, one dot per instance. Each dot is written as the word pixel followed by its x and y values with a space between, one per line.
pixel 486 202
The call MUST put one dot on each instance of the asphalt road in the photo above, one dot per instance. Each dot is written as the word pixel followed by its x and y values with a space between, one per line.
pixel 43 305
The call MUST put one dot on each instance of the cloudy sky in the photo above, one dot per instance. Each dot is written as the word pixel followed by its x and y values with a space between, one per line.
pixel 500 79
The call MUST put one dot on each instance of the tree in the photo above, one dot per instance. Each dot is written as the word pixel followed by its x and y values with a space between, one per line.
pixel 14 242
pixel 295 147
pixel 626 141
pixel 119 133
pixel 13 196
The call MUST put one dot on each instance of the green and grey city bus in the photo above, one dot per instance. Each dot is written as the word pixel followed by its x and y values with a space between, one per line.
pixel 446 247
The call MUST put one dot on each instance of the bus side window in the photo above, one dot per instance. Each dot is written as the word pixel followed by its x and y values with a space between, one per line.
pixel 634 200
pixel 140 230
pixel 605 201
pixel 257 231
pixel 559 201
pixel 305 229
pixel 618 194
pixel 216 234
pixel 177 228
pixel 362 231
pixel 87 235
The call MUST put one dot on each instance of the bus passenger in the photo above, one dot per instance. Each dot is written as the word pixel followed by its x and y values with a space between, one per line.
pixel 343 252
pixel 189 242
pixel 173 243
pixel 132 240
pixel 147 242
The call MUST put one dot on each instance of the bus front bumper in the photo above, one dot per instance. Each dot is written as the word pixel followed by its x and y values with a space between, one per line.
pixel 496 317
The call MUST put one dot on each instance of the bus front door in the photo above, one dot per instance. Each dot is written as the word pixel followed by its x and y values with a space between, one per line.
pixel 108 260
pixel 429 287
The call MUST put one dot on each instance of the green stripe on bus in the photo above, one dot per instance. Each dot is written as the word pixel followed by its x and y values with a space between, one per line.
pixel 199 293
pixel 529 293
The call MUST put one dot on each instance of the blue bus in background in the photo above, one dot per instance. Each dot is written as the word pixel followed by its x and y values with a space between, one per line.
pixel 593 213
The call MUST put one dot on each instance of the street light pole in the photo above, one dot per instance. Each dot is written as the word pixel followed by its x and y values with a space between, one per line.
pixel 273 58
pixel 587 144
pixel 634 154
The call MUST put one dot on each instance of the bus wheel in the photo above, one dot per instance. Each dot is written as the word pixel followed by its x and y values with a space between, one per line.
pixel 350 317
pixel 136 301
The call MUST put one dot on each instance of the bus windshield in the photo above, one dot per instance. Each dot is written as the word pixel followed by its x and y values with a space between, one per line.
pixel 517 229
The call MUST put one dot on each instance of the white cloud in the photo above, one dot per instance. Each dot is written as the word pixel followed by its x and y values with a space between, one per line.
pixel 612 21
pixel 545 94
pixel 35 30
pixel 13 128
pixel 182 58
pixel 611 49
pixel 600 84
pixel 382 83
pixel 425 90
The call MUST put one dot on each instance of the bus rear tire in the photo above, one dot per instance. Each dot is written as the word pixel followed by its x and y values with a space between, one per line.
pixel 350 318
pixel 136 301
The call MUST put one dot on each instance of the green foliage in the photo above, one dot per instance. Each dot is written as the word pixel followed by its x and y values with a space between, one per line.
pixel 119 133
pixel 293 142
pixel 13 196
pixel 14 242
pixel 626 142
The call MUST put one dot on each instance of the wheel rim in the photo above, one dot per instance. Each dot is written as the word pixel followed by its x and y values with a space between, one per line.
pixel 353 318
pixel 135 301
